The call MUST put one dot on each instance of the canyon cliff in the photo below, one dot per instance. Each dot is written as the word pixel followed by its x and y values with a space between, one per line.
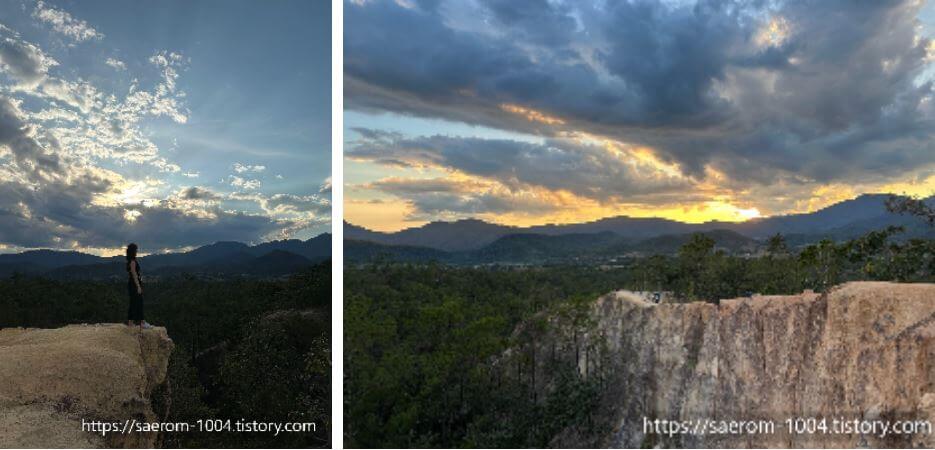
pixel 863 350
pixel 52 379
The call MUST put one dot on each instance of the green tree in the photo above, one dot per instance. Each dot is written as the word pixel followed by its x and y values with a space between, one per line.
pixel 902 204
pixel 776 246
pixel 697 262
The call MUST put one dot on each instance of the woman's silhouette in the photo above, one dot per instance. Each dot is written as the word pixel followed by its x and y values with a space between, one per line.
pixel 134 288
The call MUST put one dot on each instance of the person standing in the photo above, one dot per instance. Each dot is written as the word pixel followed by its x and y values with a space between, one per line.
pixel 135 289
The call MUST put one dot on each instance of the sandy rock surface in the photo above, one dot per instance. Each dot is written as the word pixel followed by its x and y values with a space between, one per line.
pixel 51 379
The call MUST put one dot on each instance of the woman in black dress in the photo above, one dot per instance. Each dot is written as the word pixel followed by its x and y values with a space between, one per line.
pixel 135 289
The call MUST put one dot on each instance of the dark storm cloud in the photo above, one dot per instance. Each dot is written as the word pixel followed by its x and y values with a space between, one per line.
pixel 538 21
pixel 828 94
pixel 669 59
pixel 589 171
pixel 663 62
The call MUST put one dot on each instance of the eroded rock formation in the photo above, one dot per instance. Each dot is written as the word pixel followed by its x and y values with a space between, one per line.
pixel 52 379
pixel 862 351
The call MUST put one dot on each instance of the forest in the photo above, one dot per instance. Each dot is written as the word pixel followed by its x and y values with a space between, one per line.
pixel 245 347
pixel 434 354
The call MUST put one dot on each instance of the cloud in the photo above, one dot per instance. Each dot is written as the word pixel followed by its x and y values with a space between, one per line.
pixel 280 203
pixel 244 168
pixel 47 201
pixel 324 189
pixel 31 158
pixel 589 170
pixel 166 98
pixel 22 61
pixel 295 212
pixel 797 92
pixel 116 64
pixel 244 184
pixel 539 22
pixel 63 23
pixel 197 193
pixel 79 118
pixel 83 120
pixel 446 198
pixel 55 217
pixel 65 205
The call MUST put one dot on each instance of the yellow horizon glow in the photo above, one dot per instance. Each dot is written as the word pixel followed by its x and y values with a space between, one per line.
pixel 393 215
pixel 383 215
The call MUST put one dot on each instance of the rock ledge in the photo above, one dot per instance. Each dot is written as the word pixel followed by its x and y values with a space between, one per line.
pixel 51 379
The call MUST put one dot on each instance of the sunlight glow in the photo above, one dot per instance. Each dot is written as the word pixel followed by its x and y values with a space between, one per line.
pixel 774 34
pixel 130 215
pixel 531 114
pixel 748 214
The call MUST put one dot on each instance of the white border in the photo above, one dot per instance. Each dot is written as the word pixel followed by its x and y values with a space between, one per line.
pixel 337 224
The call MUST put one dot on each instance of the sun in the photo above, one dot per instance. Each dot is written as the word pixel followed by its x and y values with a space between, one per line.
pixel 750 213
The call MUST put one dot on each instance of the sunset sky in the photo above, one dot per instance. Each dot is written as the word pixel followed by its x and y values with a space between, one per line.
pixel 538 111
pixel 171 124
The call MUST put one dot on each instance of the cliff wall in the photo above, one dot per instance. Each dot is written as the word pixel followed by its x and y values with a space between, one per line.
pixel 863 350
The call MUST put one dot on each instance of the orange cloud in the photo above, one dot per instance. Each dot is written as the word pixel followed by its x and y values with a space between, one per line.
pixel 531 114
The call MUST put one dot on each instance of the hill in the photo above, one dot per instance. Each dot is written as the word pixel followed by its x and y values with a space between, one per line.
pixel 274 258
pixel 727 240
pixel 528 248
pixel 38 261
pixel 461 235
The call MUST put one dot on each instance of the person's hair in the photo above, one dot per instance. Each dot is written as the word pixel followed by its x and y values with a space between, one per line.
pixel 131 252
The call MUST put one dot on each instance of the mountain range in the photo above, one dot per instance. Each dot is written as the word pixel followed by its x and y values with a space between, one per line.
pixel 268 259
pixel 473 241
pixel 476 241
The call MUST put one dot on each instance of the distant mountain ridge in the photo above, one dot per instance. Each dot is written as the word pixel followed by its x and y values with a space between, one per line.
pixel 460 235
pixel 221 258
pixel 476 240
pixel 527 248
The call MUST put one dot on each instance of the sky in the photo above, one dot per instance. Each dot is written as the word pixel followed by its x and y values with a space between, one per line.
pixel 169 124
pixel 528 112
